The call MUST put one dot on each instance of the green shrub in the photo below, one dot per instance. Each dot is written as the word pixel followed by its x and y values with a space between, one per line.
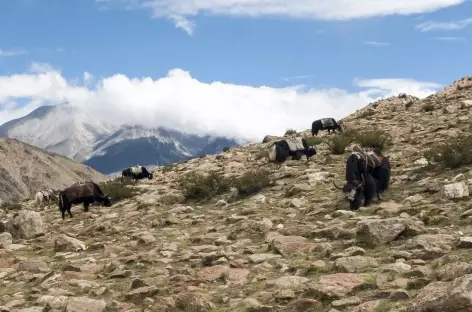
pixel 198 186
pixel 453 154
pixel 374 138
pixel 338 143
pixel 312 141
pixel 252 181
pixel 290 132
pixel 117 190
pixel 225 149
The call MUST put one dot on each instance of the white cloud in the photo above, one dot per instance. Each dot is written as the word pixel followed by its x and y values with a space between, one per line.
pixel 185 24
pixel 308 9
pixel 461 39
pixel 376 43
pixel 12 52
pixel 430 25
pixel 295 77
pixel 181 102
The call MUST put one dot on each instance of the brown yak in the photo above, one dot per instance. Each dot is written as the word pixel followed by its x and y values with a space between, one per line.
pixel 85 192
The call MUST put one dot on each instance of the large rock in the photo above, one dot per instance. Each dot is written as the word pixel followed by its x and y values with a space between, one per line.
pixel 84 304
pixel 382 231
pixel 445 296
pixel 339 285
pixel 455 190
pixel 355 263
pixel 430 246
pixel 26 224
pixel 5 239
pixel 66 243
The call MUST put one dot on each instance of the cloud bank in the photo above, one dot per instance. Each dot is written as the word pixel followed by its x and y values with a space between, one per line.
pixel 181 102
pixel 456 25
pixel 181 10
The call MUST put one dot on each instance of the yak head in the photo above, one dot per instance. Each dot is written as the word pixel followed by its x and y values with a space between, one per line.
pixel 150 176
pixel 352 192
pixel 311 152
pixel 107 201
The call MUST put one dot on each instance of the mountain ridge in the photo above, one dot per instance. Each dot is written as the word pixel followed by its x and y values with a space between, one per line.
pixel 73 132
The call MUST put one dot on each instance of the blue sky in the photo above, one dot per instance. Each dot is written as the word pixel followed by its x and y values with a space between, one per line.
pixel 321 46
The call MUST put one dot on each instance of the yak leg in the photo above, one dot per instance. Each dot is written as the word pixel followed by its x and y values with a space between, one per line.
pixel 86 206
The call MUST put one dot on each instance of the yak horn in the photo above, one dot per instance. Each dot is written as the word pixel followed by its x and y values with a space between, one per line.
pixel 336 186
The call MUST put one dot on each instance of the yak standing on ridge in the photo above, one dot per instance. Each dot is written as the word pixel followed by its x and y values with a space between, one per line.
pixel 325 124
pixel 86 193
pixel 136 173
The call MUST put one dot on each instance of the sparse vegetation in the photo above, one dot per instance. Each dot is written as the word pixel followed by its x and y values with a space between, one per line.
pixel 338 143
pixel 10 206
pixel 453 154
pixel 312 141
pixel 429 107
pixel 225 149
pixel 117 190
pixel 374 138
pixel 290 132
pixel 252 181
pixel 200 186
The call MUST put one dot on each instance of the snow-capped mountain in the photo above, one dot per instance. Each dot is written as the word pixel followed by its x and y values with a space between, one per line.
pixel 130 145
pixel 73 132
pixel 63 129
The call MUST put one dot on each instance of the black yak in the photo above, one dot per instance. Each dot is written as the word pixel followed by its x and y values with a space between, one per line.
pixel 367 173
pixel 136 173
pixel 325 124
pixel 86 192
pixel 279 151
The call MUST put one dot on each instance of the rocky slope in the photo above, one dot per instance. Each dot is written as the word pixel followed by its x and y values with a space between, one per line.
pixel 294 246
pixel 25 169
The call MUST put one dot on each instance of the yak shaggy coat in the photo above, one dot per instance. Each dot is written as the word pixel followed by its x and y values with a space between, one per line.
pixel 366 174
pixel 86 193
pixel 325 124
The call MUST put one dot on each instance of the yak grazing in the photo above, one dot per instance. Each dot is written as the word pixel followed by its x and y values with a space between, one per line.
pixel 279 151
pixel 367 173
pixel 325 124
pixel 86 193
pixel 136 173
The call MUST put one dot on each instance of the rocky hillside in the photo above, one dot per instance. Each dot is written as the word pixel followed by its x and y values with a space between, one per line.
pixel 282 239
pixel 25 169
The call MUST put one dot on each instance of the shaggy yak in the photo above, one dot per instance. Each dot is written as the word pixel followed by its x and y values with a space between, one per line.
pixel 86 193
pixel 325 124
pixel 279 151
pixel 367 173
pixel 136 173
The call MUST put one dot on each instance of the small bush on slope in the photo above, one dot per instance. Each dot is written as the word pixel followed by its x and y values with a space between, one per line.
pixel 338 143
pixel 117 191
pixel 198 186
pixel 252 181
pixel 452 154
pixel 311 141
pixel 374 138
pixel 290 132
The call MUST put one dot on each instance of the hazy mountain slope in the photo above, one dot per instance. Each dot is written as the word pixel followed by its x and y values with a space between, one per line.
pixel 130 145
pixel 62 129
pixel 72 132
pixel 25 169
